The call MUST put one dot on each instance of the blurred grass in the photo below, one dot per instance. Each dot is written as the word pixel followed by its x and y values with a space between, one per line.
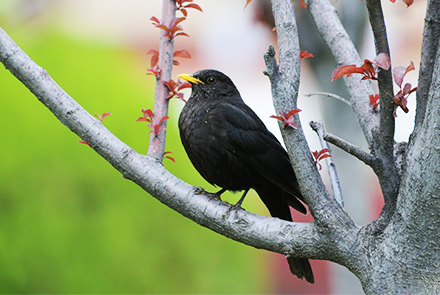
pixel 69 222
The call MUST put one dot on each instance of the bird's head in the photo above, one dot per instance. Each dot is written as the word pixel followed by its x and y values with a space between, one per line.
pixel 211 84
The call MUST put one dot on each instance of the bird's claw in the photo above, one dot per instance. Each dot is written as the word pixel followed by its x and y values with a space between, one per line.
pixel 235 207
pixel 201 191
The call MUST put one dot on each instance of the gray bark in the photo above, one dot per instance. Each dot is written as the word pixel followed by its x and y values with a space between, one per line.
pixel 396 254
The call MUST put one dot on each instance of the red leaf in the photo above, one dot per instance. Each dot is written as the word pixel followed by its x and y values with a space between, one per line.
pixel 84 142
pixel 155 71
pixel 292 112
pixel 102 117
pixel 147 116
pixel 168 157
pixel 305 54
pixel 374 100
pixel 322 154
pixel 171 158
pixel 323 151
pixel 278 118
pixel 325 156
pixel 195 6
pixel 368 68
pixel 410 67
pixel 176 21
pixel 154 60
pixel 163 27
pixel 155 19
pixel 400 72
pixel 408 2
pixel 153 52
pixel 182 54
pixel 406 89
pixel 181 34
pixel 170 84
pixel 382 60
pixel 185 13
pixel 345 70
pixel 183 85
pixel 147 113
pixel 105 115
pixel 400 101
pixel 163 119
pixel 287 119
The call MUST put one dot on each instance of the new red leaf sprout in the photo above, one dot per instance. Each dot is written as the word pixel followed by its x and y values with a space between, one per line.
pixel 374 100
pixel 147 116
pixel 84 142
pixel 287 118
pixel 154 57
pixel 401 98
pixel 173 29
pixel 369 69
pixel 102 117
pixel 182 7
pixel 322 154
pixel 168 157
pixel 305 54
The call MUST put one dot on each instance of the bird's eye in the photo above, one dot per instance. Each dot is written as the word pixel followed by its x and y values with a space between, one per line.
pixel 210 80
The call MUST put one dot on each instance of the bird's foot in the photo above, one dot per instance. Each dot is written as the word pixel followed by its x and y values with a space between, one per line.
pixel 231 208
pixel 201 191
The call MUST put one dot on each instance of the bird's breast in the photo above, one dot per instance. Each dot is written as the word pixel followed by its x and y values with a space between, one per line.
pixel 205 143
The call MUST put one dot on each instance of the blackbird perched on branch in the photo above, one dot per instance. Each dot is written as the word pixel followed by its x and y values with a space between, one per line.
pixel 231 147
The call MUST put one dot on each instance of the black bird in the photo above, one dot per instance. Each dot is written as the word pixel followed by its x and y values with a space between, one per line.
pixel 231 148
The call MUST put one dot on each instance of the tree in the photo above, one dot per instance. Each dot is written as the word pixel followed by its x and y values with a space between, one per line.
pixel 398 252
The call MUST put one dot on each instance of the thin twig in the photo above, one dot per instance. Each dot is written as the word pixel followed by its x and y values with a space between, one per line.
pixel 328 94
pixel 318 127
pixel 350 148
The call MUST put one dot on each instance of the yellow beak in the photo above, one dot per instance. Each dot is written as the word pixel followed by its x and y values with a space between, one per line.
pixel 190 79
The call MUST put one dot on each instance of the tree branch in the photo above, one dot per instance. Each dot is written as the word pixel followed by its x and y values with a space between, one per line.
pixel 284 83
pixel 318 127
pixel 289 238
pixel 387 172
pixel 431 35
pixel 334 35
pixel 156 147
pixel 350 148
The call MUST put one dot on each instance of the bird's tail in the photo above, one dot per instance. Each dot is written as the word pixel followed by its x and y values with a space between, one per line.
pixel 301 268
pixel 274 199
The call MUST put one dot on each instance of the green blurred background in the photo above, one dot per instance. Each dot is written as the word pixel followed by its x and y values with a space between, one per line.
pixel 69 222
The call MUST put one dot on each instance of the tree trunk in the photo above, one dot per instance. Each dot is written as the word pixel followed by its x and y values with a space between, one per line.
pixel 405 257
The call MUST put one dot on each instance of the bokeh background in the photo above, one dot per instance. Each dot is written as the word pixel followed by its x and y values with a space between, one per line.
pixel 69 222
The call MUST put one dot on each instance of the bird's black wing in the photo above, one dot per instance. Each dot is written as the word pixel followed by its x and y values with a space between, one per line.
pixel 248 138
